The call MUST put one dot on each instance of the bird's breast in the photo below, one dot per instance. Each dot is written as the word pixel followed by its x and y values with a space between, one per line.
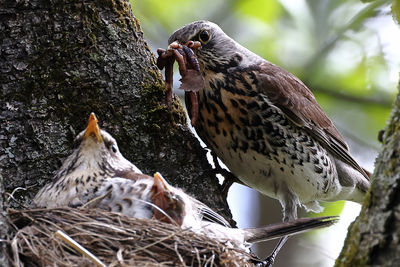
pixel 131 198
pixel 258 143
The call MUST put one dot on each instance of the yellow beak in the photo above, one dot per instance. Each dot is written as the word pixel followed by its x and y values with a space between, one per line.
pixel 93 129
pixel 160 182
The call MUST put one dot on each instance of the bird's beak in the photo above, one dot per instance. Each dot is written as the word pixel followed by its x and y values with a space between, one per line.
pixel 160 182
pixel 93 129
pixel 168 210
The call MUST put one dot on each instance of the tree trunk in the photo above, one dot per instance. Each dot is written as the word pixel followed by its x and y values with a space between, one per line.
pixel 374 237
pixel 61 60
pixel 3 226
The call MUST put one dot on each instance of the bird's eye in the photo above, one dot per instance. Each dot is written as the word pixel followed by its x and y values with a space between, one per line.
pixel 204 36
pixel 114 149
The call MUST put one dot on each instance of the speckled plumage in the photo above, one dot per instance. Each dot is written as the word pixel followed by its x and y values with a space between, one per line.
pixel 267 127
pixel 96 168
pixel 97 173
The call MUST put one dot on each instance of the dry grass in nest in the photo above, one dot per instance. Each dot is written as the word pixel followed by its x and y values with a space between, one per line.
pixel 113 239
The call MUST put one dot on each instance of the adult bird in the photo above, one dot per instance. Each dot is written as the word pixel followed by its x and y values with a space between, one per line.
pixel 97 174
pixel 267 127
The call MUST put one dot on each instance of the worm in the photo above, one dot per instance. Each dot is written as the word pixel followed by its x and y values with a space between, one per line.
pixel 186 59
pixel 192 60
pixel 194 110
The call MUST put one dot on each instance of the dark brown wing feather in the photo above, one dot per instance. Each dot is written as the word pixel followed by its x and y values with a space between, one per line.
pixel 298 103
pixel 289 93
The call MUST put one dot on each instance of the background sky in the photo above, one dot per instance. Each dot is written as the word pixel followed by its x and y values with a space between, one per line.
pixel 345 51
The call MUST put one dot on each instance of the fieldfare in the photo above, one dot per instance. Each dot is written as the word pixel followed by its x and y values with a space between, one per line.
pixel 267 127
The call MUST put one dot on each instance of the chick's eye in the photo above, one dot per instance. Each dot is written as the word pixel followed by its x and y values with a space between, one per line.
pixel 204 36
pixel 114 149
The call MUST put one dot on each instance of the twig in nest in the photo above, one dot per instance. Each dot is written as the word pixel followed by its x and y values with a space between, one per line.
pixel 93 203
pixel 11 195
pixel 75 245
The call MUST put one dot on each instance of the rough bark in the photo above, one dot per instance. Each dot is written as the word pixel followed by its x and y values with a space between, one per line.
pixel 373 239
pixel 61 60
pixel 3 226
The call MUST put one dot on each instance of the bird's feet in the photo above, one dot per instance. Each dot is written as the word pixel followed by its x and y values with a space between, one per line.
pixel 230 178
pixel 268 262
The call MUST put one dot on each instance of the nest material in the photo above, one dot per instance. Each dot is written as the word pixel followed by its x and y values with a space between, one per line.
pixel 114 239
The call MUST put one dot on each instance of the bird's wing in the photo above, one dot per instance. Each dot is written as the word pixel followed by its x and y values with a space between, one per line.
pixel 297 102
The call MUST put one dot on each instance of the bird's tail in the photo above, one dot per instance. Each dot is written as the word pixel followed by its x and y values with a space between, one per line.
pixel 254 235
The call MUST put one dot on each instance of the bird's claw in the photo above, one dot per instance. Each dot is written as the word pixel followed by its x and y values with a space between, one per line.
pixel 229 177
pixel 268 262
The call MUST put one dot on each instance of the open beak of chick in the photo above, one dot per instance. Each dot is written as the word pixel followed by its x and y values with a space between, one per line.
pixel 93 129
pixel 171 207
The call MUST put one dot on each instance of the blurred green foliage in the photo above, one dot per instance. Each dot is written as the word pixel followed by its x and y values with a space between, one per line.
pixel 396 10
pixel 339 48
pixel 267 11
pixel 330 209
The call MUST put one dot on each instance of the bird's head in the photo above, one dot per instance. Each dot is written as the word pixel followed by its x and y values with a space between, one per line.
pixel 218 50
pixel 93 140
pixel 96 151
pixel 93 131
pixel 168 199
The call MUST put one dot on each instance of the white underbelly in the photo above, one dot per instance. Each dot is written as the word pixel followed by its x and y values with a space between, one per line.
pixel 273 178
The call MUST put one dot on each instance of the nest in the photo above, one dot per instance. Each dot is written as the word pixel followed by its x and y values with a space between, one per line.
pixel 113 239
